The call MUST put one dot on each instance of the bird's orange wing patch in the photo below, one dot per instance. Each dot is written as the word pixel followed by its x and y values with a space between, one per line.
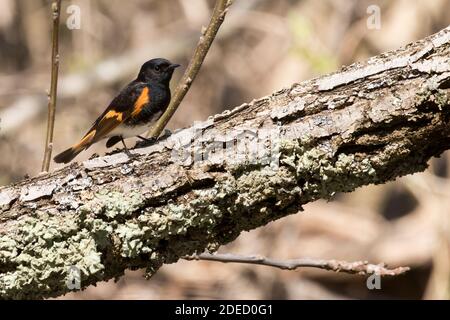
pixel 143 99
pixel 101 128
pixel 118 116
pixel 108 123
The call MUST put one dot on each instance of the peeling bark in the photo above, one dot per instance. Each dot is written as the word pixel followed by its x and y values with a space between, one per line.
pixel 201 187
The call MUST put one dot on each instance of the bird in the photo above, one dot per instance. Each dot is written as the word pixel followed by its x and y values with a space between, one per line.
pixel 132 112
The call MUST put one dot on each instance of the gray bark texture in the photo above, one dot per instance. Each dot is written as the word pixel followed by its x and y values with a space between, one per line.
pixel 202 186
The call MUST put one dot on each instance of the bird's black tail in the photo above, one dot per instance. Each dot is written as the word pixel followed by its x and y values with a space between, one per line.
pixel 67 155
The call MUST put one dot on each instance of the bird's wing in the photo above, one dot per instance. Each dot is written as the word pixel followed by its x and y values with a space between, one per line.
pixel 128 103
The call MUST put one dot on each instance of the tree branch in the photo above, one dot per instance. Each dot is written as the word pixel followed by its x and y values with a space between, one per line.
pixel 209 34
pixel 357 267
pixel 56 9
pixel 201 187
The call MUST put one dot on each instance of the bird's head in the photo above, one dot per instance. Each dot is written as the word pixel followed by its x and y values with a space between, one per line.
pixel 159 70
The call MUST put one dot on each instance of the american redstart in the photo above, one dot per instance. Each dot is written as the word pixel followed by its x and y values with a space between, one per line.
pixel 133 111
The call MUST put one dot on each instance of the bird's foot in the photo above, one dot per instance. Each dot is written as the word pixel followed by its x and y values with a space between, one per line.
pixel 129 154
pixel 146 142
pixel 167 133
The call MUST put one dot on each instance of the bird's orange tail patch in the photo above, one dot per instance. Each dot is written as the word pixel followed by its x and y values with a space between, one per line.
pixel 85 142
pixel 68 155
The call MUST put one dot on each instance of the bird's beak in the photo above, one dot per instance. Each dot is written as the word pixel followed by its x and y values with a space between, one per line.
pixel 174 65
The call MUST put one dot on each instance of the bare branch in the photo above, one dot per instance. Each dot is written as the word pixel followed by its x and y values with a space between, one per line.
pixel 357 267
pixel 207 38
pixel 56 9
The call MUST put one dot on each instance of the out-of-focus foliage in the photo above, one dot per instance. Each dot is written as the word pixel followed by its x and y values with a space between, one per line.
pixel 263 46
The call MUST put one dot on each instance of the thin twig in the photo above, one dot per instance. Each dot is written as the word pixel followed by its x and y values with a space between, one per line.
pixel 208 36
pixel 56 9
pixel 357 267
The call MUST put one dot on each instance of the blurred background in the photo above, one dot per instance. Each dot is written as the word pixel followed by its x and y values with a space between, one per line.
pixel 263 46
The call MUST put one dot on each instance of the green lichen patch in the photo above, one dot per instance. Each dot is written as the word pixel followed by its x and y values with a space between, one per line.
pixel 43 249
pixel 113 204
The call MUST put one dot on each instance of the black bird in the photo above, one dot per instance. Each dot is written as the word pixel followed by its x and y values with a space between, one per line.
pixel 135 109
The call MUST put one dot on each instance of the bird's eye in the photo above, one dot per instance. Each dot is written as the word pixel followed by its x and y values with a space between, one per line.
pixel 157 68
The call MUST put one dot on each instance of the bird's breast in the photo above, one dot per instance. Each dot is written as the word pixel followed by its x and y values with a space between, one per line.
pixel 132 128
pixel 128 131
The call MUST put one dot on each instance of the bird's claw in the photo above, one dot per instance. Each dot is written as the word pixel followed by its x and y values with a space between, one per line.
pixel 145 142
pixel 129 154
pixel 167 133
